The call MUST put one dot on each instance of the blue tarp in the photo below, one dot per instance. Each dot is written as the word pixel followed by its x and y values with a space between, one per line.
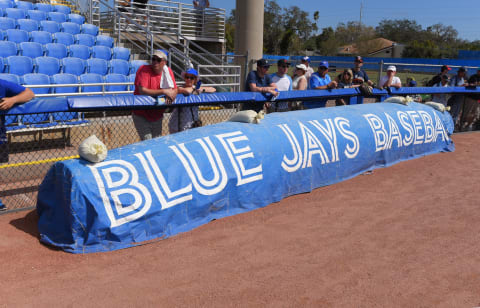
pixel 161 187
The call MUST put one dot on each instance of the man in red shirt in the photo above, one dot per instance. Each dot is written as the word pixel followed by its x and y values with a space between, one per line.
pixel 154 80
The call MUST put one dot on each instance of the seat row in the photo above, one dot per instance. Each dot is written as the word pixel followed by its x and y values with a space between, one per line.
pixel 39 15
pixel 64 78
pixel 29 25
pixel 43 7
pixel 45 37
pixel 59 51
pixel 21 65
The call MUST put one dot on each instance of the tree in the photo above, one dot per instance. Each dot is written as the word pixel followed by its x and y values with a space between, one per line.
pixel 230 32
pixel 272 31
pixel 399 30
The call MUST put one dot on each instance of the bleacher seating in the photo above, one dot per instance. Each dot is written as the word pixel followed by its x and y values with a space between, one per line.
pixel 97 66
pixel 104 40
pixel 2 65
pixel 7 23
pixel 17 35
pixel 85 39
pixel 24 5
pixel 135 65
pixel 102 52
pixel 50 26
pixel 118 66
pixel 28 25
pixel 62 9
pixel 37 79
pixel 91 78
pixel 121 53
pixel 64 38
pixel 75 66
pixel 47 65
pixel 6 4
pixel 10 77
pixel 37 15
pixel 89 29
pixel 56 50
pixel 79 51
pixel 70 27
pixel 31 49
pixel 111 78
pixel 19 65
pixel 57 17
pixel 64 78
pixel 78 19
pixel 131 78
pixel 8 49
pixel 15 13
pixel 42 37
pixel 45 7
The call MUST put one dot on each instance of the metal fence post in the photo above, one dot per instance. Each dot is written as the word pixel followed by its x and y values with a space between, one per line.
pixel 180 6
pixel 380 71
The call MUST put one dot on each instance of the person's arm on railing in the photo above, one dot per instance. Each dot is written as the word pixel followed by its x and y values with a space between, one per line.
pixel 170 94
pixel 22 97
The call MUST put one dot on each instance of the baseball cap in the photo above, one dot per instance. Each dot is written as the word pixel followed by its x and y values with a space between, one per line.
pixel 301 67
pixel 358 59
pixel 323 64
pixel 412 83
pixel 462 69
pixel 306 59
pixel 283 62
pixel 392 68
pixel 262 63
pixel 190 71
pixel 160 54
pixel 445 67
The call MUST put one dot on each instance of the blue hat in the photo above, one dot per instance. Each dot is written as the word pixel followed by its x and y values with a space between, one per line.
pixel 323 63
pixel 307 59
pixel 412 83
pixel 190 71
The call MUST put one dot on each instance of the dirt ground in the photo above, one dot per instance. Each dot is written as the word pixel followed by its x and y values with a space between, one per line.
pixel 403 236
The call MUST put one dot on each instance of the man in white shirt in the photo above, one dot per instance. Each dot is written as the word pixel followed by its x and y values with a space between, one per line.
pixel 390 80
pixel 309 71
pixel 283 82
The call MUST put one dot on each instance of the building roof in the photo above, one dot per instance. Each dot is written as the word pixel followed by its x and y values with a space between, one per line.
pixel 371 47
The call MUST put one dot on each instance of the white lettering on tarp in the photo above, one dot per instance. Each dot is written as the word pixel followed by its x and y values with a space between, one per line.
pixel 394 132
pixel 119 212
pixel 291 165
pixel 417 127
pixel 440 129
pixel 429 129
pixel 165 195
pixel 379 131
pixel 329 132
pixel 351 151
pixel 202 185
pixel 311 146
pixel 407 139
pixel 238 155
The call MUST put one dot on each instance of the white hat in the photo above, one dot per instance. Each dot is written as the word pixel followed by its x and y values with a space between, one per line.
pixel 301 67
pixel 160 54
pixel 392 68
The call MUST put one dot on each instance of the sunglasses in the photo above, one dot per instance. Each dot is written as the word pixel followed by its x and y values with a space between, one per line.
pixel 322 68
pixel 190 77
pixel 155 59
pixel 283 66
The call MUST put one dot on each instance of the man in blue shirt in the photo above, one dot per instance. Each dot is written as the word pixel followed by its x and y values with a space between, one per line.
pixel 359 75
pixel 10 94
pixel 320 81
pixel 259 81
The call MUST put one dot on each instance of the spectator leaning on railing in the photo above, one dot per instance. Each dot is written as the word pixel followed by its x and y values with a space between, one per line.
pixel 443 97
pixel 309 71
pixel 320 81
pixel 359 75
pixel 259 81
pixel 456 101
pixel 390 80
pixel 438 78
pixel 469 110
pixel 283 82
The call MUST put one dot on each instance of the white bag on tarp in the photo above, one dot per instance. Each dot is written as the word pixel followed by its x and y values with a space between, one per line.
pixel 399 100
pixel 247 116
pixel 92 149
pixel 438 106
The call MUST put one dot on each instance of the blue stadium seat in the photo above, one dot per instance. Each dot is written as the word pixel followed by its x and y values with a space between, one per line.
pixel 7 23
pixel 50 26
pixel 8 49
pixel 56 50
pixel 135 65
pixel 73 66
pixel 37 15
pixel 118 66
pixel 121 53
pixel 10 77
pixel 85 39
pixel 64 79
pixel 24 5
pixel 47 65
pixel 44 7
pixel 79 51
pixel 37 79
pixel 131 78
pixel 19 65
pixel 15 13
pixel 42 37
pixel 57 17
pixel 102 52
pixel 97 66
pixel 27 24
pixel 104 40
pixel 2 36
pixel 110 78
pixel 6 4
pixel 31 49
pixel 62 9
pixel 91 78
pixel 78 19
pixel 64 38
pixel 17 35
pixel 70 27
pixel 2 65
pixel 89 29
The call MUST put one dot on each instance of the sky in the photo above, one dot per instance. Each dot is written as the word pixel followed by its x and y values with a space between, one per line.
pixel 463 15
